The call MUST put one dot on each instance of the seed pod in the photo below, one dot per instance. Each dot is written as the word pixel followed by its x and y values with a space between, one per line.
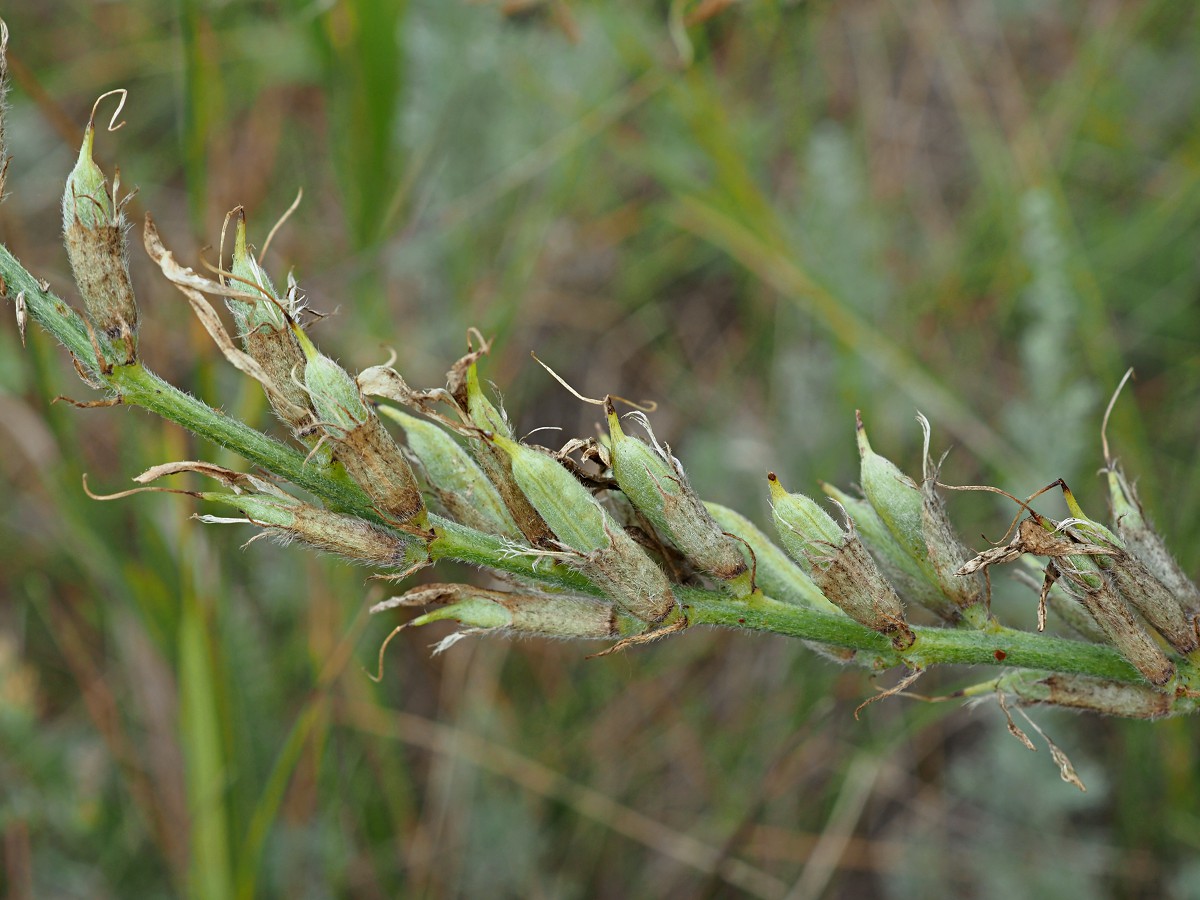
pixel 775 572
pixel 1082 578
pixel 457 483
pixel 347 536
pixel 94 233
pixel 911 581
pixel 546 615
pixel 266 335
pixel 606 554
pixel 945 553
pixel 1136 583
pixel 839 564
pixel 655 484
pixel 895 496
pixel 496 464
pixel 288 518
pixel 1109 698
pixel 362 444
pixel 807 532
pixel 1144 542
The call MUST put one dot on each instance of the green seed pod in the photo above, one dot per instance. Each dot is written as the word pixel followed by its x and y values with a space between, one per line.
pixel 1140 538
pixel 839 564
pixel 945 553
pixel 94 233
pixel 349 537
pixel 457 483
pixel 288 518
pixel 654 482
pixel 362 444
pixel 896 497
pixel 916 517
pixel 497 464
pixel 481 410
pixel 775 572
pixel 912 582
pixel 607 555
pixel 268 312
pixel 1136 583
pixel 546 615
pixel 266 335
pixel 807 532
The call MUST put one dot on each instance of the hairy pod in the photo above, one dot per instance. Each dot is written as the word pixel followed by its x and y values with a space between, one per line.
pixel 1136 583
pixel 497 464
pixel 945 553
pixel 362 444
pixel 775 572
pixel 839 564
pixel 911 581
pixel 1141 539
pixel 1098 595
pixel 656 485
pixel 455 480
pixel 346 536
pixel 94 233
pixel 896 497
pixel 1109 698
pixel 265 331
pixel 545 615
pixel 604 552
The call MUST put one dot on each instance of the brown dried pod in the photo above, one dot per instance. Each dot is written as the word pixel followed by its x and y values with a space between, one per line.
pixel 1110 698
pixel 1072 564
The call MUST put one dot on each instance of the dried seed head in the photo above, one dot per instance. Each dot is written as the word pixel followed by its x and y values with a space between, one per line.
pixel 604 552
pixel 839 564
pixel 94 234
pixel 454 479
pixel 655 484
pixel 362 444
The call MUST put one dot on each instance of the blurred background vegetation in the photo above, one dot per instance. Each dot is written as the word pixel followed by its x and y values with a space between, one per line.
pixel 762 215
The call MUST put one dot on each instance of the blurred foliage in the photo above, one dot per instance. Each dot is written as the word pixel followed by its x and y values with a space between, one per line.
pixel 763 215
